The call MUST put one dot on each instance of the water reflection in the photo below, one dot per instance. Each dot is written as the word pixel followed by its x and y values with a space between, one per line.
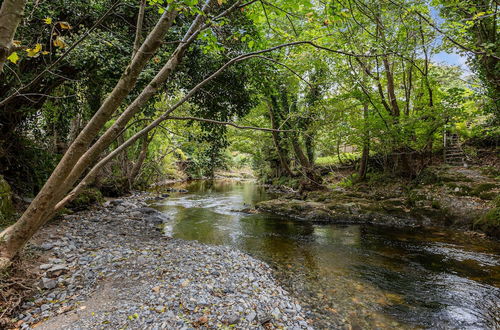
pixel 351 276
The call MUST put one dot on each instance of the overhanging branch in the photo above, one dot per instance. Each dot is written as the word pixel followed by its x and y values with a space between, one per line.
pixel 227 123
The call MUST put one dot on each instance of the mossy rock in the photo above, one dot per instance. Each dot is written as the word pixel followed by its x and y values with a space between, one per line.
pixel 484 187
pixel 490 171
pixel 393 206
pixel 489 222
pixel 114 186
pixel 319 196
pixel 428 176
pixel 414 197
pixel 460 189
pixel 6 206
pixel 87 198
pixel 490 195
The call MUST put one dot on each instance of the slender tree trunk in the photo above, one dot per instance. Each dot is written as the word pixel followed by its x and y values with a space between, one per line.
pixel 11 14
pixel 15 237
pixel 299 153
pixel 136 169
pixel 277 144
pixel 393 101
pixel 138 29
pixel 309 144
pixel 363 164
pixel 123 159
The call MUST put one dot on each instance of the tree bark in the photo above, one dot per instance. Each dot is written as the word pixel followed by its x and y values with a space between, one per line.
pixel 138 29
pixel 136 169
pixel 391 88
pixel 119 125
pixel 363 164
pixel 309 144
pixel 11 13
pixel 297 149
pixel 277 144
pixel 15 237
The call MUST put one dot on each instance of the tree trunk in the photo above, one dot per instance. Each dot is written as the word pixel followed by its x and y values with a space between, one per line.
pixel 363 164
pixel 15 237
pixel 136 169
pixel 277 144
pixel 138 29
pixel 393 101
pixel 309 143
pixel 297 149
pixel 150 90
pixel 11 14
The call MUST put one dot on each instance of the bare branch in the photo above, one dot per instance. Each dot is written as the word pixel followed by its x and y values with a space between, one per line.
pixel 227 123
pixel 138 29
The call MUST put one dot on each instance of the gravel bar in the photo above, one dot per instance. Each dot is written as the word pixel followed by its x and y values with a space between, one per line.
pixel 111 267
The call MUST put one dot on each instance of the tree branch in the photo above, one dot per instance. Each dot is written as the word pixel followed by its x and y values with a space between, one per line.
pixel 227 123
pixel 50 67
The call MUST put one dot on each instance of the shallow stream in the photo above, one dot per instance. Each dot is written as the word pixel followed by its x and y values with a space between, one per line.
pixel 350 276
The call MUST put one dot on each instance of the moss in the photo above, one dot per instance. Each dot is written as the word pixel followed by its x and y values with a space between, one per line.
pixel 496 201
pixel 490 222
pixel 6 206
pixel 435 204
pixel 490 171
pixel 86 198
pixel 459 189
pixel 484 187
pixel 427 177
pixel 488 195
pixel 415 196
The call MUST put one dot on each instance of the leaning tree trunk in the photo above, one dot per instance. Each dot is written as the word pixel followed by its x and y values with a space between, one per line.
pixel 304 162
pixel 11 14
pixel 92 154
pixel 16 236
pixel 308 169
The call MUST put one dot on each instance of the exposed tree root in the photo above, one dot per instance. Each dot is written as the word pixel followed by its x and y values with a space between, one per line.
pixel 17 283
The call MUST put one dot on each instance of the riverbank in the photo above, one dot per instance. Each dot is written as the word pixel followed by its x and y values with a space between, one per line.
pixel 442 196
pixel 348 276
pixel 111 266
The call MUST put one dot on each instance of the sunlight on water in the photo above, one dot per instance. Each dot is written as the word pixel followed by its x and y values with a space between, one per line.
pixel 350 276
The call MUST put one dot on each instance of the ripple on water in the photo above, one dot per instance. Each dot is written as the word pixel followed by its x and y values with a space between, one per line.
pixel 362 276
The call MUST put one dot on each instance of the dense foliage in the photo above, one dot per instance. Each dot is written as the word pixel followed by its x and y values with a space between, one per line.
pixel 368 87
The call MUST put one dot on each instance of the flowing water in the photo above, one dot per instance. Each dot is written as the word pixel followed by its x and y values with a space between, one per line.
pixel 350 276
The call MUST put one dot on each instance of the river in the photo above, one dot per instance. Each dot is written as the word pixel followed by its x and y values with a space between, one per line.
pixel 350 276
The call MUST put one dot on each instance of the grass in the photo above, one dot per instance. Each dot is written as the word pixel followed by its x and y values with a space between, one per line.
pixel 334 160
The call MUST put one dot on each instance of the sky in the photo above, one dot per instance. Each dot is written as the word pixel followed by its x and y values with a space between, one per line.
pixel 451 59
pixel 445 57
